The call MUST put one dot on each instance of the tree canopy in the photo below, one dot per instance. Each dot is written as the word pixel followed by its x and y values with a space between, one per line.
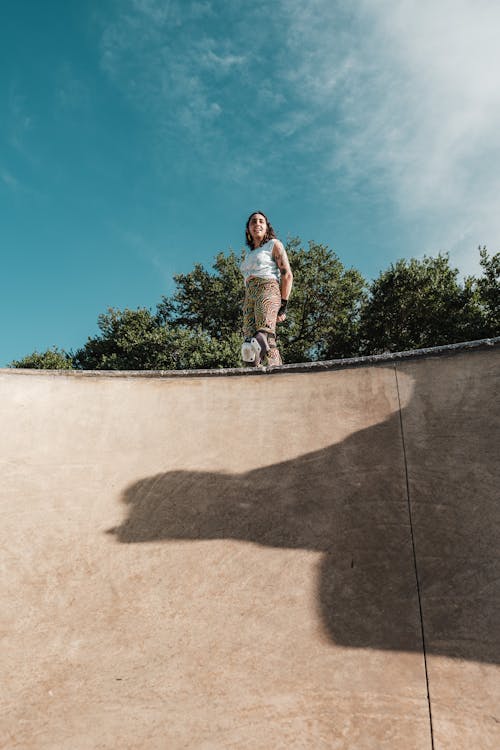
pixel 417 304
pixel 51 359
pixel 488 287
pixel 333 312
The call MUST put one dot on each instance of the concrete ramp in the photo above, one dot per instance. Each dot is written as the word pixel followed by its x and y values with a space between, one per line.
pixel 304 558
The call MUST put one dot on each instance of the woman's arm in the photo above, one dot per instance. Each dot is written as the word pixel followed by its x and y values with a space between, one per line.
pixel 281 258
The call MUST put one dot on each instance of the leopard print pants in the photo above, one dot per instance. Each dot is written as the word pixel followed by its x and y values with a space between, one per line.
pixel 260 310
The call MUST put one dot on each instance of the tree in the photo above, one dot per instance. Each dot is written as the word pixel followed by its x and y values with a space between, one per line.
pixel 321 317
pixel 208 302
pixel 489 292
pixel 332 313
pixel 323 314
pixel 200 325
pixel 128 340
pixel 141 340
pixel 51 359
pixel 417 304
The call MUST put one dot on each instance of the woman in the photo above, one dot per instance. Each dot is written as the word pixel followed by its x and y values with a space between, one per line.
pixel 268 283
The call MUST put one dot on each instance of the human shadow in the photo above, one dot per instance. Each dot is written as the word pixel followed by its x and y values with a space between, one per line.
pixel 348 501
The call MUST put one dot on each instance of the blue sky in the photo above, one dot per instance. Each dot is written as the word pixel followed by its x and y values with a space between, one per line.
pixel 137 135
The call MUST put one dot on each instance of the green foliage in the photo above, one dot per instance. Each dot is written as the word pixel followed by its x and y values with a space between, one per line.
pixel 129 340
pixel 323 313
pixel 51 359
pixel 140 340
pixel 321 317
pixel 209 302
pixel 419 303
pixel 488 287
pixel 332 313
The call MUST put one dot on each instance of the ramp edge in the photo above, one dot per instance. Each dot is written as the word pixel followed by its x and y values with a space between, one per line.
pixel 332 364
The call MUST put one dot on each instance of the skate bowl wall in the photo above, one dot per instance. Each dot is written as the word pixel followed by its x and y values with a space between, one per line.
pixel 299 558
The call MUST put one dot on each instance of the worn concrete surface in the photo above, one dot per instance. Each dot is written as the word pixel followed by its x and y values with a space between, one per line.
pixel 308 560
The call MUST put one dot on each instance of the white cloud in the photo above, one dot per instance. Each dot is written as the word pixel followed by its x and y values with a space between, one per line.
pixel 155 257
pixel 394 98
pixel 157 12
pixel 8 179
pixel 411 89
pixel 72 93
pixel 171 11
pixel 146 53
pixel 19 121
pixel 223 62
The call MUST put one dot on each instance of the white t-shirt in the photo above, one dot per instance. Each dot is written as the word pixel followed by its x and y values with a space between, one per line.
pixel 260 262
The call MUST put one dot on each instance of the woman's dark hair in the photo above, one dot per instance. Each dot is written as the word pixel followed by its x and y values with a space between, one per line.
pixel 270 234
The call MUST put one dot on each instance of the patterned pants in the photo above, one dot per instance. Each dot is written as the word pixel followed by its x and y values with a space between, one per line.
pixel 260 310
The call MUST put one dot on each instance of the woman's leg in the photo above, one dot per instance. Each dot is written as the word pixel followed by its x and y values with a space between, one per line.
pixel 267 304
pixel 273 355
pixel 248 356
pixel 248 314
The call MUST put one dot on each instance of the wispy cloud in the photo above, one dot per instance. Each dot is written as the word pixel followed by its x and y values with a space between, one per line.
pixel 20 121
pixel 200 75
pixel 8 179
pixel 395 99
pixel 18 186
pixel 153 256
pixel 175 12
pixel 72 93
pixel 148 53
pixel 414 105
pixel 222 62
